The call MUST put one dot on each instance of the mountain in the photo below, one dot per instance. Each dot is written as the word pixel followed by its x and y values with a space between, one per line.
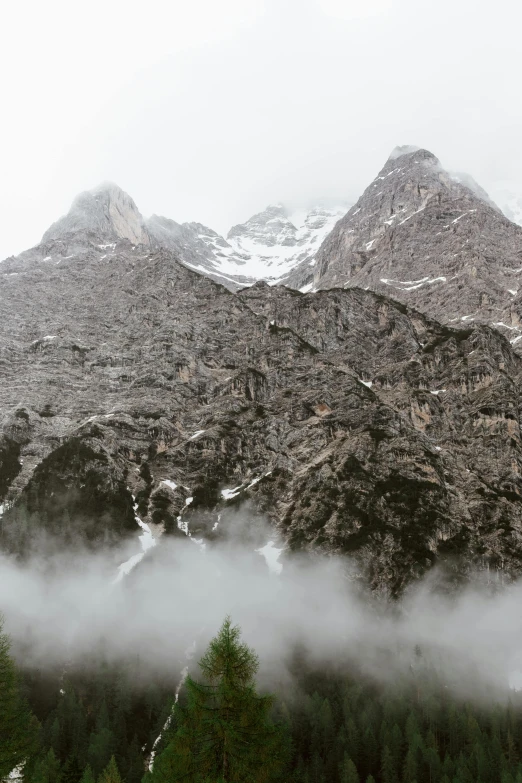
pixel 267 247
pixel 432 240
pixel 276 241
pixel 354 423
pixel 105 213
pixel 145 371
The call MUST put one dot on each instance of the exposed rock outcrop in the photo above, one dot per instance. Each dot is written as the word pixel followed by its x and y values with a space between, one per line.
pixel 430 239
pixel 354 423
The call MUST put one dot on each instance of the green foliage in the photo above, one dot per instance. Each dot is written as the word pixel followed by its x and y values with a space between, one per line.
pixel 111 773
pixel 90 717
pixel 88 776
pixel 18 729
pixel 414 731
pixel 333 727
pixel 47 770
pixel 224 731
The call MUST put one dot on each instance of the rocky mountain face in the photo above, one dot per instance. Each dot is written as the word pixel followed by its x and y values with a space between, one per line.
pixel 377 417
pixel 269 246
pixel 105 213
pixel 354 423
pixel 432 240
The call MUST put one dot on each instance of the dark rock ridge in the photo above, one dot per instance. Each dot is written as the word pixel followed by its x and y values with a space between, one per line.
pixel 353 422
pixel 432 240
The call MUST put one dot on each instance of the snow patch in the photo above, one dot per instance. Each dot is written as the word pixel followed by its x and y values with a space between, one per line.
pixel 463 215
pixel 228 494
pixel 169 483
pixel 147 541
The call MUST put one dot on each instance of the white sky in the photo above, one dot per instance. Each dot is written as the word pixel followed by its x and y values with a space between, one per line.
pixel 210 109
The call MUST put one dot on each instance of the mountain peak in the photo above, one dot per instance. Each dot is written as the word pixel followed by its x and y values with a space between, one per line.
pixel 105 212
pixel 411 149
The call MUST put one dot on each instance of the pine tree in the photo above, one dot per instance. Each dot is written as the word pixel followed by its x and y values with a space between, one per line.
pixel 224 731
pixel 47 770
pixel 111 773
pixel 18 729
pixel 348 771
pixel 88 776
pixel 388 771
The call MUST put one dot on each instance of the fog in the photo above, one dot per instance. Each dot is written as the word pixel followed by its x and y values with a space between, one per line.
pixel 208 111
pixel 61 608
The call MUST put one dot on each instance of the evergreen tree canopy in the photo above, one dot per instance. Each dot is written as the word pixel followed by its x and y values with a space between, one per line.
pixel 111 773
pixel 18 729
pixel 224 731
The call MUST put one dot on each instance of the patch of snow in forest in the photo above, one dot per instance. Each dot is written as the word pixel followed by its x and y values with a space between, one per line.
pixel 196 434
pixel 466 317
pixel 271 555
pixel 189 654
pixel 369 384
pixel 169 483
pixel 437 391
pixel 147 541
pixel 183 526
pixel 306 288
pixel 228 494
pixel 511 291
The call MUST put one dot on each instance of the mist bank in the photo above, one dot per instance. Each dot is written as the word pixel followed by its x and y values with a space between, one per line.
pixel 67 607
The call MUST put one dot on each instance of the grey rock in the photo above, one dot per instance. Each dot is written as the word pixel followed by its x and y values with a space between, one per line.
pixel 354 423
pixel 429 239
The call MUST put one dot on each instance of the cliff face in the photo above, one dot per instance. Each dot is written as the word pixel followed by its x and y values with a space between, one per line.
pixel 355 423
pixel 430 239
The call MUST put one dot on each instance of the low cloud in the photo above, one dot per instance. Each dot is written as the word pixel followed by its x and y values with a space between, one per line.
pixel 65 607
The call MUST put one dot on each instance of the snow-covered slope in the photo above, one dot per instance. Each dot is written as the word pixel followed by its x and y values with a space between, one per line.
pixel 275 241
pixel 266 247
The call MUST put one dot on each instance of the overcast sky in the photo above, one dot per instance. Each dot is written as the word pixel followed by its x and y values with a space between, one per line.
pixel 210 109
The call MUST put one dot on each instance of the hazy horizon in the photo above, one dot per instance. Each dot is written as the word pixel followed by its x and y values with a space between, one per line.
pixel 209 113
